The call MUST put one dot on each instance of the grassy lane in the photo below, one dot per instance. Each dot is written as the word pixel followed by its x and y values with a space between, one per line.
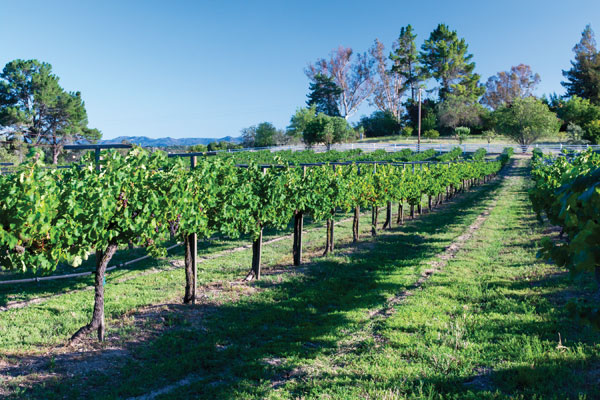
pixel 486 327
pixel 237 345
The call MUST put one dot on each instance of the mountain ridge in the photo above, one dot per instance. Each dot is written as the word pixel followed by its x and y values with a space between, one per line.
pixel 145 141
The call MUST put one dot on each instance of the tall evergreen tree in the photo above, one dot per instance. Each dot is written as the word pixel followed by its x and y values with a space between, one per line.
pixel 583 79
pixel 35 107
pixel 406 61
pixel 445 57
pixel 323 95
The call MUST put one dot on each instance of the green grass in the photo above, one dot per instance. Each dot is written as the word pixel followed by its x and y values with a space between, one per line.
pixel 486 326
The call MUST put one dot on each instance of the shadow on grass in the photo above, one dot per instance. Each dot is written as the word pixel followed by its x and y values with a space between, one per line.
pixel 247 345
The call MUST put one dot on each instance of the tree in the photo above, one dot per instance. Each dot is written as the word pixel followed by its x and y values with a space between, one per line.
pixel 265 135
pixel 380 123
pixel 33 104
pixel 505 86
pixel 388 86
pixel 299 121
pixel 583 79
pixel 577 110
pixel 352 75
pixel 460 111
pixel 428 114
pixel 327 130
pixel 526 120
pixel 323 95
pixel 406 61
pixel 445 58
pixel 248 136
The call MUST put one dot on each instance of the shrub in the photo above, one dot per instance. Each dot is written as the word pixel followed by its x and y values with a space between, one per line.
pixel 431 134
pixel 407 131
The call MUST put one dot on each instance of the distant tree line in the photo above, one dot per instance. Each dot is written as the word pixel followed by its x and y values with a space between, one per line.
pixel 454 102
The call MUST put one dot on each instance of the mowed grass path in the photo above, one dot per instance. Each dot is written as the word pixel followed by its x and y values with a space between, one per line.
pixel 486 326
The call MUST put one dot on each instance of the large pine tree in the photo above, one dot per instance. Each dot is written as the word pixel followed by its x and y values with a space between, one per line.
pixel 406 61
pixel 583 79
pixel 446 58
pixel 323 95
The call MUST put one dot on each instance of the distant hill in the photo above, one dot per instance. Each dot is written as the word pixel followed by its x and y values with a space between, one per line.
pixel 164 142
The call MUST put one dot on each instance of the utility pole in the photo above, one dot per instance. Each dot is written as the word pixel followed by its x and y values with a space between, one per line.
pixel 419 130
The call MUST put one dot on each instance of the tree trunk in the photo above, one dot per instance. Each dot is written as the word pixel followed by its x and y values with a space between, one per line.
pixel 412 211
pixel 388 216
pixel 400 218
pixel 355 224
pixel 374 216
pixel 419 209
pixel 447 193
pixel 256 255
pixel 55 153
pixel 102 260
pixel 429 203
pixel 297 247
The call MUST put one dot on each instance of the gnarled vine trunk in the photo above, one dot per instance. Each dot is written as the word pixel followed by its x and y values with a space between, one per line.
pixel 388 216
pixel 355 224
pixel 400 218
pixel 374 217
pixel 103 257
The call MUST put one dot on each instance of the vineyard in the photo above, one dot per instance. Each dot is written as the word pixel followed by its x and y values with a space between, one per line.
pixel 274 274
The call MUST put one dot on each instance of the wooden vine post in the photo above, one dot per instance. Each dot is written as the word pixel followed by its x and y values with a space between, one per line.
pixel 374 211
pixel 298 226
pixel 356 219
pixel 257 247
pixel 329 241
pixel 192 249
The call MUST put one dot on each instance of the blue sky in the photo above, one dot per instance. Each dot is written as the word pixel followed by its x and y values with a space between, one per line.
pixel 211 68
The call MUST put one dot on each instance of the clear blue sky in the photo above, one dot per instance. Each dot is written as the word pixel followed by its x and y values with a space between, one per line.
pixel 211 68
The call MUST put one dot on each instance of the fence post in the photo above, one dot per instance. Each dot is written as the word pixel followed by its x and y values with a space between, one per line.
pixel 193 243
pixel 97 159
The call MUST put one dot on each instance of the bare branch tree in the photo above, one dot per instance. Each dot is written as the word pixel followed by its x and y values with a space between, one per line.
pixel 505 86
pixel 353 75
pixel 388 84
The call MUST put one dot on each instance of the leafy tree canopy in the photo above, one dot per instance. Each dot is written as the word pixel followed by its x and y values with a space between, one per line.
pixel 35 107
pixel 526 120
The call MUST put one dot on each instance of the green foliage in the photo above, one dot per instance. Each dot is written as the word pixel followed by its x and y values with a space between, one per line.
pixel 526 120
pixel 592 131
pixel 583 79
pixel 452 155
pixel 300 121
pixel 568 193
pixel 223 145
pixel 327 130
pixel 380 123
pixel 489 135
pixel 576 110
pixel 407 131
pixel 462 133
pixel 323 95
pixel 33 105
pixel 479 154
pixel 445 57
pixel 431 134
pixel 460 111
pixel 197 148
pixel 406 61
